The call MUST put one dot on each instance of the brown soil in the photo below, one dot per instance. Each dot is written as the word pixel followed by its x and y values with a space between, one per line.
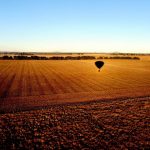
pixel 114 124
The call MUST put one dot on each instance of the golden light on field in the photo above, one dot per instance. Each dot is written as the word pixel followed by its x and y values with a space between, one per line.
pixel 52 95
pixel 28 84
pixel 70 104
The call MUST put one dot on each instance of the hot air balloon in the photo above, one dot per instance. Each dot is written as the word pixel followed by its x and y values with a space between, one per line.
pixel 99 64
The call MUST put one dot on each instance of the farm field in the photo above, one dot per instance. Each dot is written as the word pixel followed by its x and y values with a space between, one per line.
pixel 25 85
pixel 48 104
pixel 114 124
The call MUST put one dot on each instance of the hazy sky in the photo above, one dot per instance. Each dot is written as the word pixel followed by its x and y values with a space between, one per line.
pixel 75 25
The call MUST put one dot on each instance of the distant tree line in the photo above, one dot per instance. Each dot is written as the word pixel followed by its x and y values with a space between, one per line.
pixel 72 58
pixel 22 57
pixel 34 57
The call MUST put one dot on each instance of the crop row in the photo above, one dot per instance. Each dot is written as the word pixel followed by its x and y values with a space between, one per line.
pixel 35 78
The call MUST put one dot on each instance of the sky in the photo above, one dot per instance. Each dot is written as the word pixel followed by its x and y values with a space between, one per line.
pixel 75 25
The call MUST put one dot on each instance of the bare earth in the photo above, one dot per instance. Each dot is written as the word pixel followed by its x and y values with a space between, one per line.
pixel 114 124
pixel 69 104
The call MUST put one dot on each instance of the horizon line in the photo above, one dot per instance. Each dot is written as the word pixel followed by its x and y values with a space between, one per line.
pixel 64 52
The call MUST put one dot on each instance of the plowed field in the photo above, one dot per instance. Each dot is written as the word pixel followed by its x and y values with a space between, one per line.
pixel 70 105
pixel 31 84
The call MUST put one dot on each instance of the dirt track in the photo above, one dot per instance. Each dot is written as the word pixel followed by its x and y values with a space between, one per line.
pixel 114 124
